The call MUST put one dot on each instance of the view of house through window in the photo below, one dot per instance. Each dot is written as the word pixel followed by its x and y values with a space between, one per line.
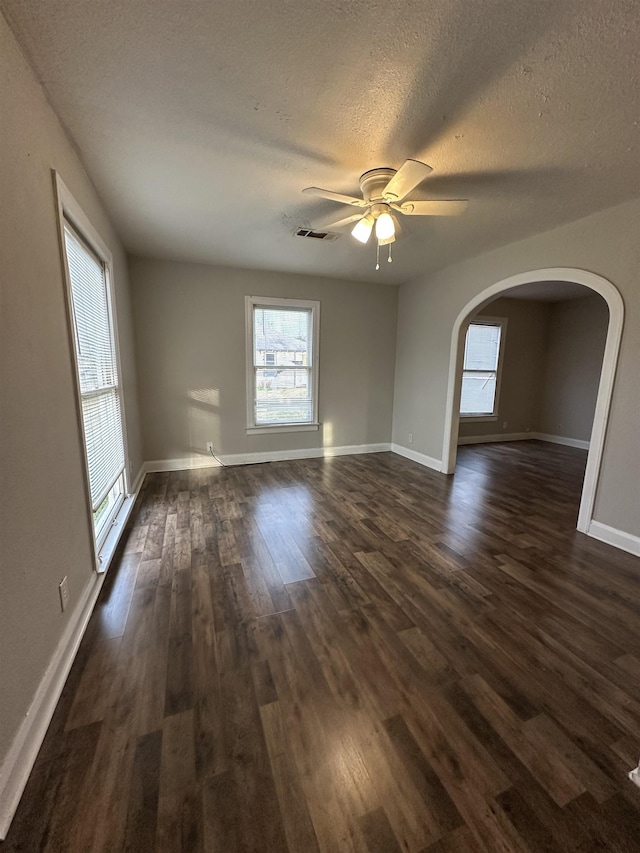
pixel 481 367
pixel 99 386
pixel 283 381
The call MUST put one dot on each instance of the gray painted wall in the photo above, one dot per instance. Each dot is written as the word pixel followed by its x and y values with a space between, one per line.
pixel 577 334
pixel 45 530
pixel 605 243
pixel 191 357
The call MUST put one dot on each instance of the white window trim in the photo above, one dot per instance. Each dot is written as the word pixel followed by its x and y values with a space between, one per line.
pixel 271 301
pixel 70 210
pixel 486 417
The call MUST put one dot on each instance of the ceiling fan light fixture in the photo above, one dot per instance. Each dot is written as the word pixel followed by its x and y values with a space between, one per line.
pixel 363 227
pixel 385 228
pixel 384 193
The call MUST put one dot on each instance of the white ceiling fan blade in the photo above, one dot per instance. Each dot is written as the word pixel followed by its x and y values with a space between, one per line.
pixel 408 176
pixel 432 208
pixel 340 222
pixel 343 199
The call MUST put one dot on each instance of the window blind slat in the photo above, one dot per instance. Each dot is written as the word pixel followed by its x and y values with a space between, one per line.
pixel 97 367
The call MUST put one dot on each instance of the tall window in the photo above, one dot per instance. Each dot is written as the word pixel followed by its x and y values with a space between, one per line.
pixel 282 363
pixel 98 379
pixel 481 368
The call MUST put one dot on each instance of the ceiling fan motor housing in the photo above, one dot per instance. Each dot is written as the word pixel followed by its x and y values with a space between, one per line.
pixel 373 182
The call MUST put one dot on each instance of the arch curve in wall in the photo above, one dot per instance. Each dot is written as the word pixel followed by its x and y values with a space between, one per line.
pixel 605 388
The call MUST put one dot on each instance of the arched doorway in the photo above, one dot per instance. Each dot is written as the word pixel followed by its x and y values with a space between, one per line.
pixel 613 299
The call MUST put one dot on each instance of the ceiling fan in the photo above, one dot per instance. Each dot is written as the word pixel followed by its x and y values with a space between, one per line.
pixel 383 196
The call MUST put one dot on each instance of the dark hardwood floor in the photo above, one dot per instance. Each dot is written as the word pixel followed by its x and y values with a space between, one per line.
pixel 354 654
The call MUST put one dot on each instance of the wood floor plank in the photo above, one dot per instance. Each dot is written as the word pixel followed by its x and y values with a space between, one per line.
pixel 92 694
pixel 179 824
pixel 294 810
pixel 438 802
pixel 112 610
pixel 210 754
pixel 179 681
pixel 258 818
pixel 142 812
pixel 81 747
pixel 378 833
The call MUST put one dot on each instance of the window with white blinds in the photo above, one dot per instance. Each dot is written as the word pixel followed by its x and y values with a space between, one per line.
pixel 97 367
pixel 481 369
pixel 282 379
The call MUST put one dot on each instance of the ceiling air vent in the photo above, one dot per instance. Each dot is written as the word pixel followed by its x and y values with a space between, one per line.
pixel 329 236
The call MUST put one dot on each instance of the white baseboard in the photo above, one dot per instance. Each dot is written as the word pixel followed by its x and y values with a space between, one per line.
pixel 613 536
pixel 187 463
pixel 192 462
pixel 562 439
pixel 420 458
pixel 490 439
pixel 22 754
pixel 137 483
pixel 523 436
pixel 308 453
pixel 19 761
pixel 355 449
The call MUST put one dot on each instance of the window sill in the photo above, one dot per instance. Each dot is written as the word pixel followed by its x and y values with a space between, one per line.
pixel 254 430
pixel 110 543
pixel 478 418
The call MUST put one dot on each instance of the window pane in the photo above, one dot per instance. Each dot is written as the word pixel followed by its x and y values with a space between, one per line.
pixel 482 347
pixel 283 395
pixel 97 370
pixel 283 333
pixel 104 441
pixel 96 361
pixel 282 357
pixel 478 393
pixel 105 511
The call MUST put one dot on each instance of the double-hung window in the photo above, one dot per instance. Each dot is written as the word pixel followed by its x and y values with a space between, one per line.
pixel 483 350
pixel 282 363
pixel 90 298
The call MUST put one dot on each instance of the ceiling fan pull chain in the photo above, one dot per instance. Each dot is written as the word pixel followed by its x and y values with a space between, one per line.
pixel 389 258
pixel 377 256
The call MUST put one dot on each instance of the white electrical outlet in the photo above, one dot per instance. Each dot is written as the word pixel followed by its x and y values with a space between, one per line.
pixel 410 438
pixel 210 446
pixel 504 424
pixel 63 589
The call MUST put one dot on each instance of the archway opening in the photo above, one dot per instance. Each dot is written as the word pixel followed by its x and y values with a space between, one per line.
pixel 553 280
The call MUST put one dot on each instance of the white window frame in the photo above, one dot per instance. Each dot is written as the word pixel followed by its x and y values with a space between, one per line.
pixel 252 302
pixel 69 211
pixel 479 417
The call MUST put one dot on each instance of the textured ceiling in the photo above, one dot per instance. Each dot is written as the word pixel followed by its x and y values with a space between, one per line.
pixel 201 122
